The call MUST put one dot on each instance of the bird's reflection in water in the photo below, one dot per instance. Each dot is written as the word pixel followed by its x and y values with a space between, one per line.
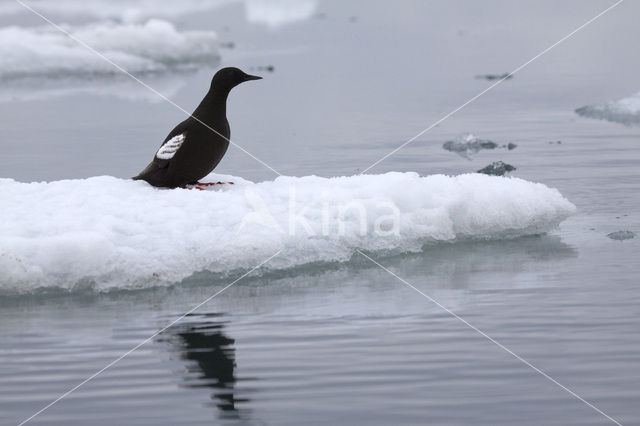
pixel 204 342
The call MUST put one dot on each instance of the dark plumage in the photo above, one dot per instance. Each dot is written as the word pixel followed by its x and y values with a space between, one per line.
pixel 191 150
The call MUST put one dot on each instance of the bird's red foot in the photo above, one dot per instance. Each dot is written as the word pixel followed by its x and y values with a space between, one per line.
pixel 213 183
pixel 202 185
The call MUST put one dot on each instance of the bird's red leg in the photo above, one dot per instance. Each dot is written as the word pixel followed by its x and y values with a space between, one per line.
pixel 212 183
pixel 202 185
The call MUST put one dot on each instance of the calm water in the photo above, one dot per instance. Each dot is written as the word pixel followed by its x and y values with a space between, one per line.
pixel 348 343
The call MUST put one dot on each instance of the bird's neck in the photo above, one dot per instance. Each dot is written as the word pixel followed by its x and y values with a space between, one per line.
pixel 213 106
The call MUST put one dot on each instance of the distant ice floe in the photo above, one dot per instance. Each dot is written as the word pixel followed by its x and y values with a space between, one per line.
pixel 491 77
pixel 625 111
pixel 621 235
pixel 106 233
pixel 275 13
pixel 124 10
pixel 468 144
pixel 41 62
pixel 497 168
pixel 153 46
pixel 272 13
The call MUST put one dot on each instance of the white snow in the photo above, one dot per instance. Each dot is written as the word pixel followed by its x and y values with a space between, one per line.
pixel 625 110
pixel 155 45
pixel 170 147
pixel 123 234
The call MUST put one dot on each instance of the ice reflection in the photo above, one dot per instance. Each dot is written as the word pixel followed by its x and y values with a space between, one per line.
pixel 116 86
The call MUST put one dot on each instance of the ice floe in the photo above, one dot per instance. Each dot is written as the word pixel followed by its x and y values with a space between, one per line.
pixel 621 235
pixel 109 233
pixel 272 13
pixel 467 144
pixel 625 110
pixel 124 10
pixel 497 168
pixel 153 46
pixel 275 13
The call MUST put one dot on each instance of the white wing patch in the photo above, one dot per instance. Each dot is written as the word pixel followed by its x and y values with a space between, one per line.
pixel 170 147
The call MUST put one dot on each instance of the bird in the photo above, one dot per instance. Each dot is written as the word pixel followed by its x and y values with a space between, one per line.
pixel 195 147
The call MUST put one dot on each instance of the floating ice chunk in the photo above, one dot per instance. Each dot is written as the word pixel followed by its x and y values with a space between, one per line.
pixel 467 144
pixel 625 111
pixel 491 77
pixel 497 168
pixel 155 45
pixel 621 235
pixel 124 234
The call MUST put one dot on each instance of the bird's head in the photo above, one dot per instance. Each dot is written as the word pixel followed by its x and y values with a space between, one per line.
pixel 228 78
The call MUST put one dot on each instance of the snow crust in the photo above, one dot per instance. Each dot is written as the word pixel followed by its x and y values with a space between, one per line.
pixel 106 233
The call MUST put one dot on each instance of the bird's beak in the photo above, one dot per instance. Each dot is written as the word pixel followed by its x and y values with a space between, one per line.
pixel 248 77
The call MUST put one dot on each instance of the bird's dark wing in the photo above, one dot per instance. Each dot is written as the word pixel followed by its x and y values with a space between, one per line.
pixel 165 153
pixel 180 128
pixel 172 143
pixel 169 148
